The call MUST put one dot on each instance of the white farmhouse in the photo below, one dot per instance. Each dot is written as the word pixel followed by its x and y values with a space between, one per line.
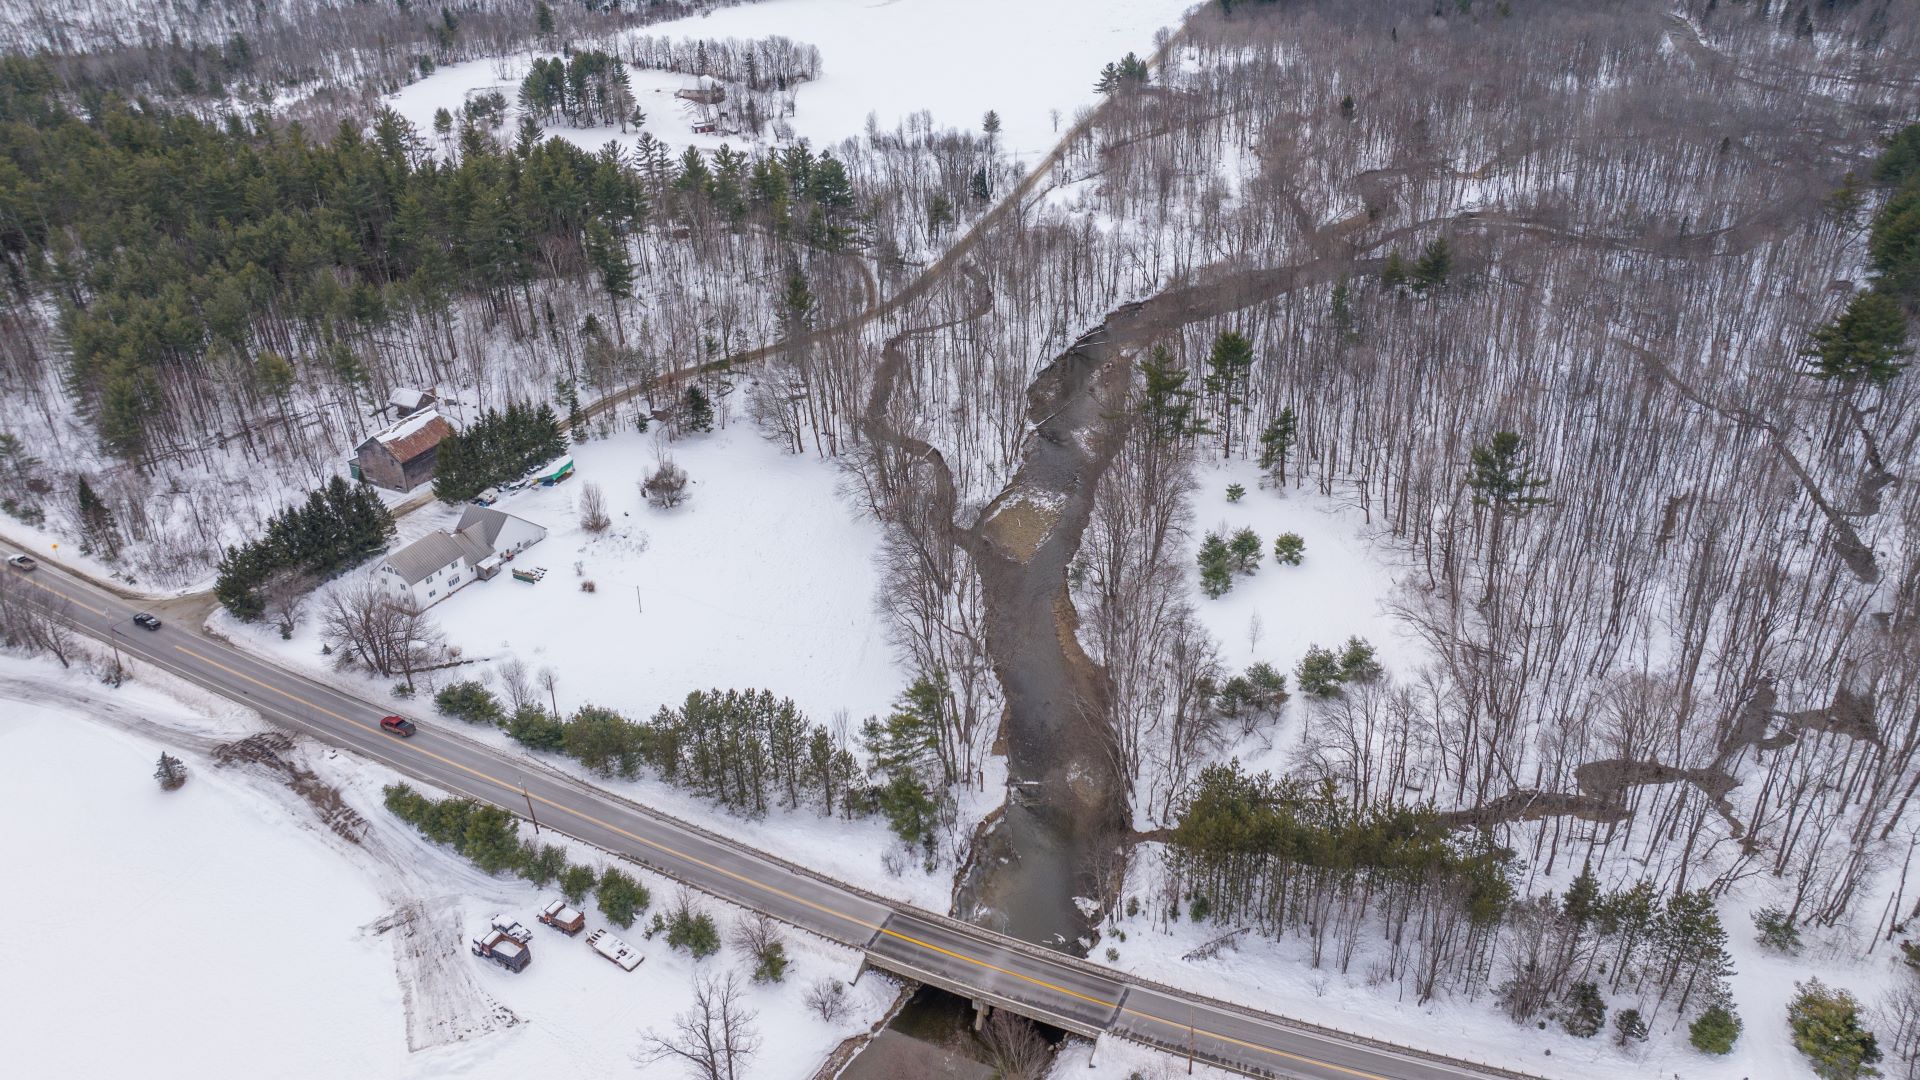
pixel 432 567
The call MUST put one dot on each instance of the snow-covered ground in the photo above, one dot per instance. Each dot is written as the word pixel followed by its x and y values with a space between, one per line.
pixel 1342 588
pixel 222 930
pixel 954 59
pixel 764 579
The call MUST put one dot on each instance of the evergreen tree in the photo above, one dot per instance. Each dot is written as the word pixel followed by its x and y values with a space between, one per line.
pixel 980 185
pixel 542 864
pixel 1130 73
pixel 1357 662
pixel 698 410
pixel 908 807
pixel 1319 673
pixel 1866 343
pixel 1715 1030
pixel 770 964
pixel 1245 550
pixel 576 882
pixel 97 524
pixel 1289 548
pixel 1430 271
pixel 1342 306
pixel 1629 1027
pixel 1845 202
pixel 171 772
pixel 1504 481
pixel 1166 403
pixel 692 931
pixel 1893 245
pixel 1900 161
pixel 608 254
pixel 1229 367
pixel 621 898
pixel 1216 566
pixel 1276 442
pixel 1826 1028
pixel 1393 274
pixel 1585 1012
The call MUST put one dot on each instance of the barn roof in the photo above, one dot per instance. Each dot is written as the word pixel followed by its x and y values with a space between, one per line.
pixel 413 436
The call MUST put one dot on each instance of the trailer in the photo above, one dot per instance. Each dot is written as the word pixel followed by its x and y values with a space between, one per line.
pixel 506 925
pixel 496 946
pixel 615 950
pixel 563 918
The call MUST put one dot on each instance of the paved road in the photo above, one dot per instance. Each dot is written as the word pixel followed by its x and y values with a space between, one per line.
pixel 985 966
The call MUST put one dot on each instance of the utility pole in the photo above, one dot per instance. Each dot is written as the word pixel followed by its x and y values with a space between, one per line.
pixel 530 814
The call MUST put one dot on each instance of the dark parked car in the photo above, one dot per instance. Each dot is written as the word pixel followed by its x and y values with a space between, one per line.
pixel 148 620
pixel 399 725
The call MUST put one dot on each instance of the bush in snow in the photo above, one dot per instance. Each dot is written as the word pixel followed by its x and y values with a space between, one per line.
pixel 536 729
pixel 471 702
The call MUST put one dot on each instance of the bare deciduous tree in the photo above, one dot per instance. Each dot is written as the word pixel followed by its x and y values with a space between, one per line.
pixel 284 597
pixel 391 635
pixel 828 999
pixel 715 1038
pixel 38 623
pixel 1017 1050
pixel 593 508
pixel 515 682
pixel 667 487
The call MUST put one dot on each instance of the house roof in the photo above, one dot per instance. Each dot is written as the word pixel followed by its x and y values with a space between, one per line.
pixel 413 436
pixel 473 539
pixel 435 552
pixel 407 399
pixel 482 523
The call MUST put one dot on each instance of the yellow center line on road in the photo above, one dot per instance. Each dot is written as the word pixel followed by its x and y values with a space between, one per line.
pixel 102 612
pixel 782 893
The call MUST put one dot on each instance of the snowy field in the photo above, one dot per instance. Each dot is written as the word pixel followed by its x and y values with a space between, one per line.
pixel 764 579
pixel 224 931
pixel 954 59
pixel 1342 588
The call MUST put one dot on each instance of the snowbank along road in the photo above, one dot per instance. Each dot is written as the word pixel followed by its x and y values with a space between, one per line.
pixel 1073 994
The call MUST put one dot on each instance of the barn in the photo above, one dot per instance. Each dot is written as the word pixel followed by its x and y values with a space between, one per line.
pixel 401 457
